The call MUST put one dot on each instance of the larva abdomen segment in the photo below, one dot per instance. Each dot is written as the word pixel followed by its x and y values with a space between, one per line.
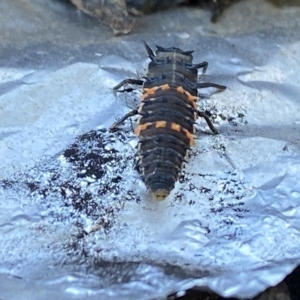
pixel 168 115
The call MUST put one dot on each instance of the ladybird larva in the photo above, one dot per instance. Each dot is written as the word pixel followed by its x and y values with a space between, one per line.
pixel 168 112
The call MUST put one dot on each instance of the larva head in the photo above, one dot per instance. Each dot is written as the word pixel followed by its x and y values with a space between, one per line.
pixel 160 194
pixel 164 53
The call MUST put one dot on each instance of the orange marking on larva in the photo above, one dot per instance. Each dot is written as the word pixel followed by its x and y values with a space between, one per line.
pixel 180 89
pixel 150 91
pixel 175 127
pixel 160 124
pixel 140 128
pixel 164 87
pixel 191 98
pixel 144 95
pixel 190 136
pixel 147 92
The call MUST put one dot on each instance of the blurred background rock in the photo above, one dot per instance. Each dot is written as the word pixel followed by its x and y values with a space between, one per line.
pixel 116 13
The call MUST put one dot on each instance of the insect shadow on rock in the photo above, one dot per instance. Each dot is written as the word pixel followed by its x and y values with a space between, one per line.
pixel 167 114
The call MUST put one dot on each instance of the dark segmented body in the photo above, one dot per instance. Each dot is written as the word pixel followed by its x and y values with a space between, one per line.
pixel 168 112
pixel 167 116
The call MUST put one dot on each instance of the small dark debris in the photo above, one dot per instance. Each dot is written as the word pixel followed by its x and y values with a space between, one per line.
pixel 116 179
pixel 232 121
pixel 7 184
pixel 33 186
pixel 204 190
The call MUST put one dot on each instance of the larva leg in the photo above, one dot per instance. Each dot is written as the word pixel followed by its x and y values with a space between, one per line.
pixel 202 66
pixel 128 81
pixel 149 50
pixel 209 84
pixel 208 121
pixel 114 126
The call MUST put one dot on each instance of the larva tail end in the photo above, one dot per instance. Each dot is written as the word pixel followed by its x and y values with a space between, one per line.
pixel 160 194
